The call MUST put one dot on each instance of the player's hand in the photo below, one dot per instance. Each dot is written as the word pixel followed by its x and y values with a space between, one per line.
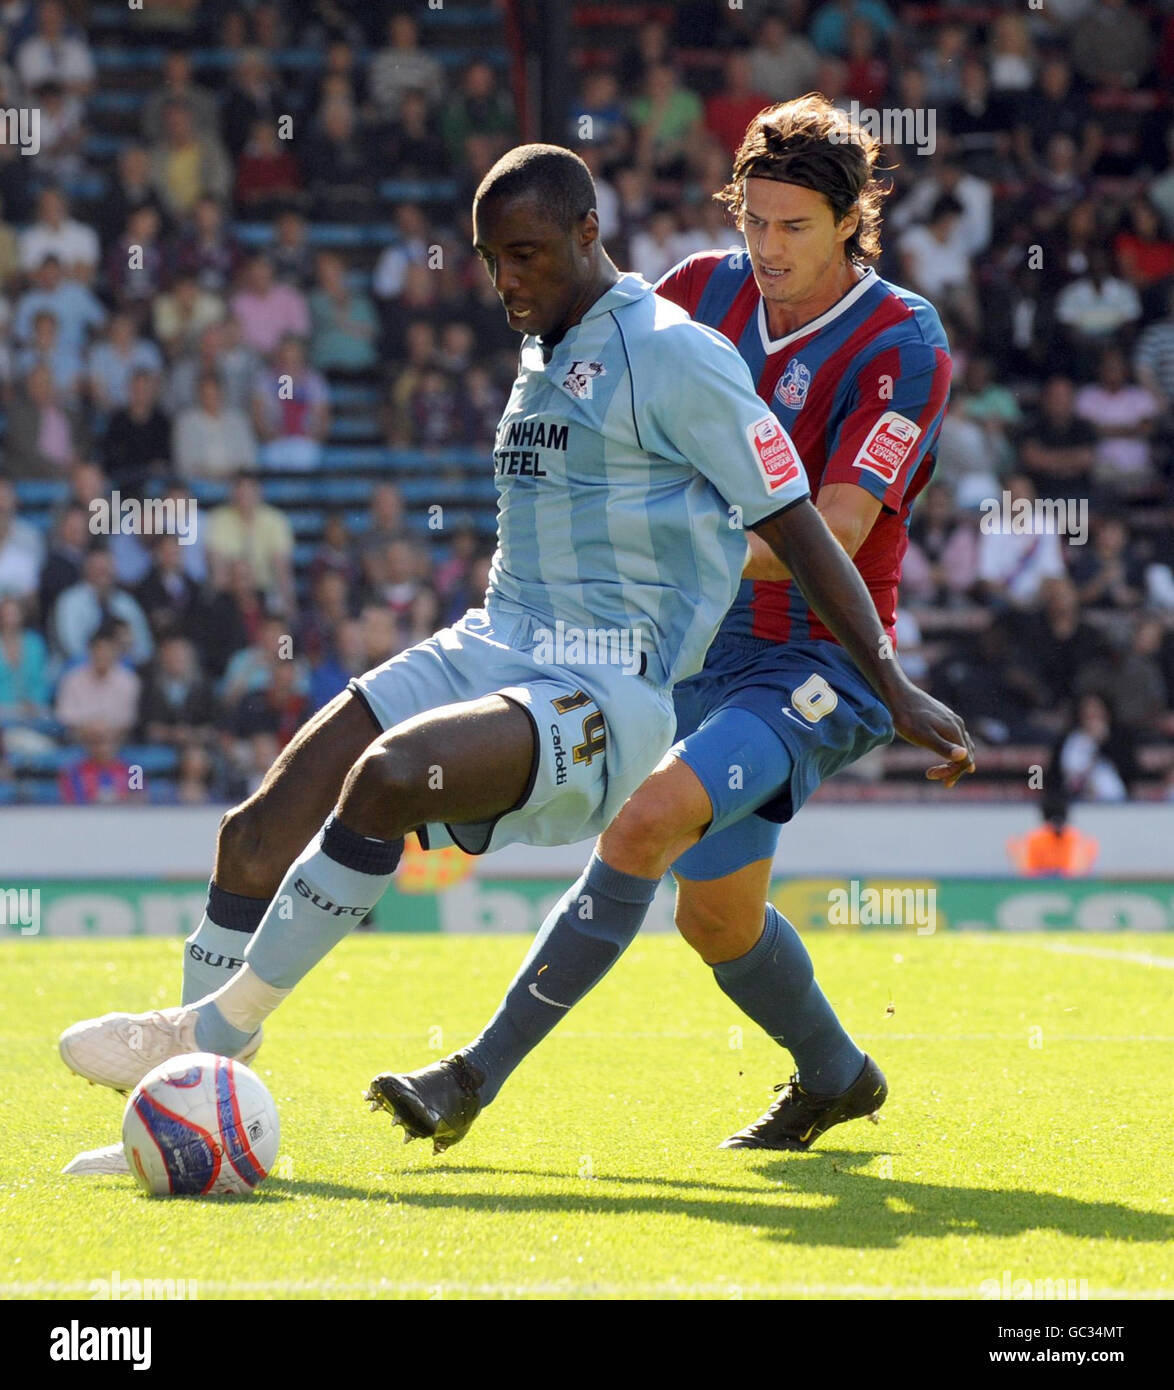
pixel 926 722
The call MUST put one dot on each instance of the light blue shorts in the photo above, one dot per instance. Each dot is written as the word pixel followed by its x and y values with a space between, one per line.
pixel 598 731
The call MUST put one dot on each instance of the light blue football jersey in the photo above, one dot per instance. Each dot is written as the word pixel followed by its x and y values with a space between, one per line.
pixel 629 460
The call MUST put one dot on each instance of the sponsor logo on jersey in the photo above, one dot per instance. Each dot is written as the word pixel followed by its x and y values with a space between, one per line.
pixel 793 384
pixel 518 444
pixel 889 444
pixel 579 378
pixel 776 456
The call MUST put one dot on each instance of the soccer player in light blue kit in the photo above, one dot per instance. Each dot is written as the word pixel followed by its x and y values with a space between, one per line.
pixel 632 449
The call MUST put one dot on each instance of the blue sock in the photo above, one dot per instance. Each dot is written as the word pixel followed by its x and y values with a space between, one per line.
pixel 329 888
pixel 774 983
pixel 583 936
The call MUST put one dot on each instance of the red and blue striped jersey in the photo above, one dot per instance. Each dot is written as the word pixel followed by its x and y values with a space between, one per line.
pixel 861 390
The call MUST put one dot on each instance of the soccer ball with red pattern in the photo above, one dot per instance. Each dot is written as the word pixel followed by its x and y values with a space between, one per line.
pixel 200 1124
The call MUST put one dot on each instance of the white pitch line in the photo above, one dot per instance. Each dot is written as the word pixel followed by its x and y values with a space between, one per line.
pixel 1063 948
pixel 559 1289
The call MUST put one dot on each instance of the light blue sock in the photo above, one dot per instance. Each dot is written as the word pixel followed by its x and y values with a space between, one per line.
pixel 583 936
pixel 774 983
pixel 329 888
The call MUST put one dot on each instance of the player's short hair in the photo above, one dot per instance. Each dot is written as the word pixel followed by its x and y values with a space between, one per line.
pixel 555 176
pixel 811 143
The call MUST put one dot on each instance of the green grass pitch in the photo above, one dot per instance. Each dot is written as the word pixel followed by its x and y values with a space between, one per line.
pixel 1026 1136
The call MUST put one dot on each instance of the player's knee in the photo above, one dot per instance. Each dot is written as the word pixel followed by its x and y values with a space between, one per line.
pixel 641 836
pixel 711 933
pixel 393 772
pixel 247 860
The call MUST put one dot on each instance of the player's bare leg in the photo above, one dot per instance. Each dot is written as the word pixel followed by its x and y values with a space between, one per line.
pixel 759 961
pixel 461 763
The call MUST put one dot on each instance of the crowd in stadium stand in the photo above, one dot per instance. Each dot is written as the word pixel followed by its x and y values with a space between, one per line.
pixel 206 295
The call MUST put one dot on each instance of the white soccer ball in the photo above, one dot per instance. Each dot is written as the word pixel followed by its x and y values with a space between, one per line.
pixel 200 1124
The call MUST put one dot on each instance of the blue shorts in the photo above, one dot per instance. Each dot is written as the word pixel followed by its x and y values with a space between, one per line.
pixel 598 730
pixel 762 725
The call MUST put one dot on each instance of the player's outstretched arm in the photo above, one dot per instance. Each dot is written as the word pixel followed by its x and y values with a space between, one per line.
pixel 832 585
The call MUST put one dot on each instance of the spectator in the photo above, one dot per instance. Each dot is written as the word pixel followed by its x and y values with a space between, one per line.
pixel 206 250
pixel 98 777
pixel 168 595
pixel 829 27
pixel 132 190
pixel 252 667
pixel 667 118
pixel 782 64
pixel 974 195
pixel 980 678
pixel 401 67
pixel 651 48
pixel 1123 416
pixel 279 709
pixel 67 552
pixel 135 263
pixel 248 529
pixel 63 136
pixel 329 608
pixel 343 322
pixel 731 109
pixel 1051 108
pixel 1013 566
pixel 44 435
pixel 434 410
pixel 100 695
pixel 73 306
pixel 253 97
pixel 84 607
pixel 267 174
pixel 656 250
pixel 411 248
pixel 935 260
pixel 211 440
pixel 1096 307
pixel 1153 359
pixel 55 54
pixel 1057 642
pixel 233 620
pixel 266 310
pixel 137 442
pixel 291 409
pixel 385 518
pixel 63 361
pixel 1058 448
pixel 867 77
pixel 335 667
pixel 72 243
pixel 337 168
pixel 178 708
pixel 1089 757
pixel 177 85
pixel 193 785
pixel 186 165
pixel 181 315
pixel 1108 573
pixel 941 564
pixel 479 107
pixel 343 72
pixel 1012 54
pixel 24 665
pixel 111 362
pixel 942 64
pixel 221 352
pixel 335 553
pixel 1111 44
pixel 22 551
pixel 290 254
pixel 979 118
pixel 598 121
pixel 412 145
pixel 1145 256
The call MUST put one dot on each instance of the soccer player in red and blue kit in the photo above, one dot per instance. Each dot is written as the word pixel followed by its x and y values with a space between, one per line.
pixel 858 373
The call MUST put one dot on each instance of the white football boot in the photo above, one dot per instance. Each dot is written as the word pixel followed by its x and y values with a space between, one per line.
pixel 111 1159
pixel 118 1050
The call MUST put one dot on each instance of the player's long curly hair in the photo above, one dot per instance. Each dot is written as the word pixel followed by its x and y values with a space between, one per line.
pixel 812 143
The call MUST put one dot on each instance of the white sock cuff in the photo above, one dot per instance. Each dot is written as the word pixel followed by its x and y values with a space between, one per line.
pixel 246 1001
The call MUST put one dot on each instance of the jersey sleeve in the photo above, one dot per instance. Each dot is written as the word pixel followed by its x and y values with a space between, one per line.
pixel 896 405
pixel 701 408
